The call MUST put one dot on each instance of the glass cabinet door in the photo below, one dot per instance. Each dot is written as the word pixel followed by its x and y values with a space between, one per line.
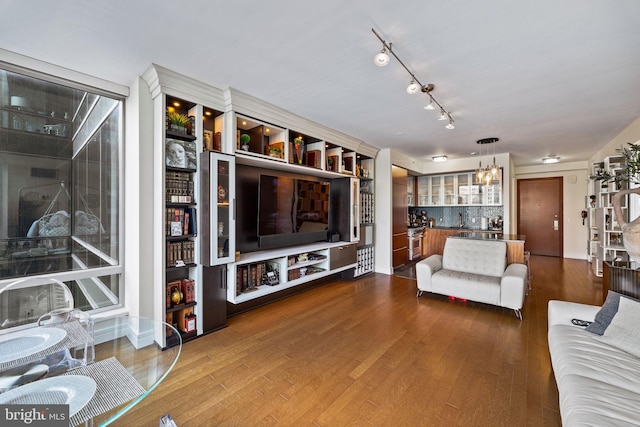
pixel 436 191
pixel 476 194
pixel 411 191
pixel 218 211
pixel 449 190
pixel 494 192
pixel 423 191
pixel 463 189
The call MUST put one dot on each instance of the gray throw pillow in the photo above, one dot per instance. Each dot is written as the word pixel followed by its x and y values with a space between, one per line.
pixel 606 314
pixel 623 333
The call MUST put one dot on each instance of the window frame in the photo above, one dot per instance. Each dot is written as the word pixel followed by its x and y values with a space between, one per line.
pixel 51 73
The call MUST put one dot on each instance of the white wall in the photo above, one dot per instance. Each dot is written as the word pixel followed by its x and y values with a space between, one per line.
pixel 138 201
pixel 383 184
pixel 630 134
pixel 575 183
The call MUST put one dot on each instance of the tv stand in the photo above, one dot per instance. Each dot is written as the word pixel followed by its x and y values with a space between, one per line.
pixel 266 272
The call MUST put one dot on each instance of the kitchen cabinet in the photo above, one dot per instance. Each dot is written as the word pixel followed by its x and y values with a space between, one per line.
pixel 449 190
pixel 456 190
pixel 411 186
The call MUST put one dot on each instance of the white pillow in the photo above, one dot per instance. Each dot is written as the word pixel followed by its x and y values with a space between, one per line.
pixel 623 331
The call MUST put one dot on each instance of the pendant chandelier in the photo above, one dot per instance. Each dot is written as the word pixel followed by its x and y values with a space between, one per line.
pixel 486 175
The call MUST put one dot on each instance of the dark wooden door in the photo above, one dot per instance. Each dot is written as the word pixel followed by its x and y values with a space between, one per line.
pixel 540 215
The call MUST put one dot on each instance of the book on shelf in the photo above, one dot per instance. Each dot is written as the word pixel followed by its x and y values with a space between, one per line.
pixel 169 320
pixel 179 253
pixel 179 221
pixel 189 290
pixel 186 320
pixel 190 224
pixel 178 187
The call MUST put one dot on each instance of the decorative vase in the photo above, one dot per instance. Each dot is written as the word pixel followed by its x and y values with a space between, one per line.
pixel 630 230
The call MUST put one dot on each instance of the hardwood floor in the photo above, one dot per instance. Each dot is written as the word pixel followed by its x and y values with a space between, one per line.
pixel 368 352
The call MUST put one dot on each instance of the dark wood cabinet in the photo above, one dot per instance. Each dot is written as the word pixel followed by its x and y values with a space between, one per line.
pixel 400 216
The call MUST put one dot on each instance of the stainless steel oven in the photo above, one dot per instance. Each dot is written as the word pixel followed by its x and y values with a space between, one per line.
pixel 415 242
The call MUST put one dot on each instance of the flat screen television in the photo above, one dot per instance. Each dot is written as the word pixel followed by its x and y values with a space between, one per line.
pixel 292 211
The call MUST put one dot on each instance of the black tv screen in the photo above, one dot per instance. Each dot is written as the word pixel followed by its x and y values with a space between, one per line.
pixel 292 211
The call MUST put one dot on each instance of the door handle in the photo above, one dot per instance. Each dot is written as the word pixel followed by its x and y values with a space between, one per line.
pixel 556 224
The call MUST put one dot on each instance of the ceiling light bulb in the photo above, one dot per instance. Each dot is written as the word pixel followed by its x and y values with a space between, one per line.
pixel 413 87
pixel 430 106
pixel 443 115
pixel 439 158
pixel 450 125
pixel 381 59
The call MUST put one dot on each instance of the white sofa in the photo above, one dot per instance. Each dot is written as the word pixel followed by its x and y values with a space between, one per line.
pixel 475 270
pixel 598 383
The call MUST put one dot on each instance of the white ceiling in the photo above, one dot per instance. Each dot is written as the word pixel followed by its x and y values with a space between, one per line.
pixel 547 77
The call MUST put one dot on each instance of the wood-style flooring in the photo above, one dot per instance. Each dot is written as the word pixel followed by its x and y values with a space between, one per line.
pixel 367 352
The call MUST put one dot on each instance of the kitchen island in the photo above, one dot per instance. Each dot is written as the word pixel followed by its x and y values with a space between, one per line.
pixel 515 242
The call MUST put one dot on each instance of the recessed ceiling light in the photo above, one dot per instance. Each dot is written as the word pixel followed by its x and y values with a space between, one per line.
pixel 439 158
pixel 551 159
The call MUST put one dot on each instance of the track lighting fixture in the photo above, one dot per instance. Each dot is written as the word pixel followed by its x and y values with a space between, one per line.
pixel 382 59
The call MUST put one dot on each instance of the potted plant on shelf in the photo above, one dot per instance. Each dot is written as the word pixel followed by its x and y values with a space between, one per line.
pixel 178 122
pixel 630 176
pixel 329 164
pixel 244 141
pixel 274 151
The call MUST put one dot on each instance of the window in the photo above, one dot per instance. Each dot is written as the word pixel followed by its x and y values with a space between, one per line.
pixel 60 213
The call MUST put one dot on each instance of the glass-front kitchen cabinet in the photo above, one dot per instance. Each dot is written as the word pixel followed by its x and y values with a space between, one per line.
pixel 456 190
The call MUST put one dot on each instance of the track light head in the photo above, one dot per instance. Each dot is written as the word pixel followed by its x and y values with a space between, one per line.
pixel 381 59
pixel 443 115
pixel 450 125
pixel 413 87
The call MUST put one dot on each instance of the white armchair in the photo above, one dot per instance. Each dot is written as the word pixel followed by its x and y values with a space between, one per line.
pixel 475 270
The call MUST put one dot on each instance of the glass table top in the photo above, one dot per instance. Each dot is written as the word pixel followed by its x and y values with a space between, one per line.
pixel 99 367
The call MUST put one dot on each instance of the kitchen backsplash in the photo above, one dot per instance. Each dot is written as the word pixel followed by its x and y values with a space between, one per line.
pixel 450 218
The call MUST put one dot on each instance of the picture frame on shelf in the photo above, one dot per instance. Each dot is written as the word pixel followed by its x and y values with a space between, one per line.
pixel 180 154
